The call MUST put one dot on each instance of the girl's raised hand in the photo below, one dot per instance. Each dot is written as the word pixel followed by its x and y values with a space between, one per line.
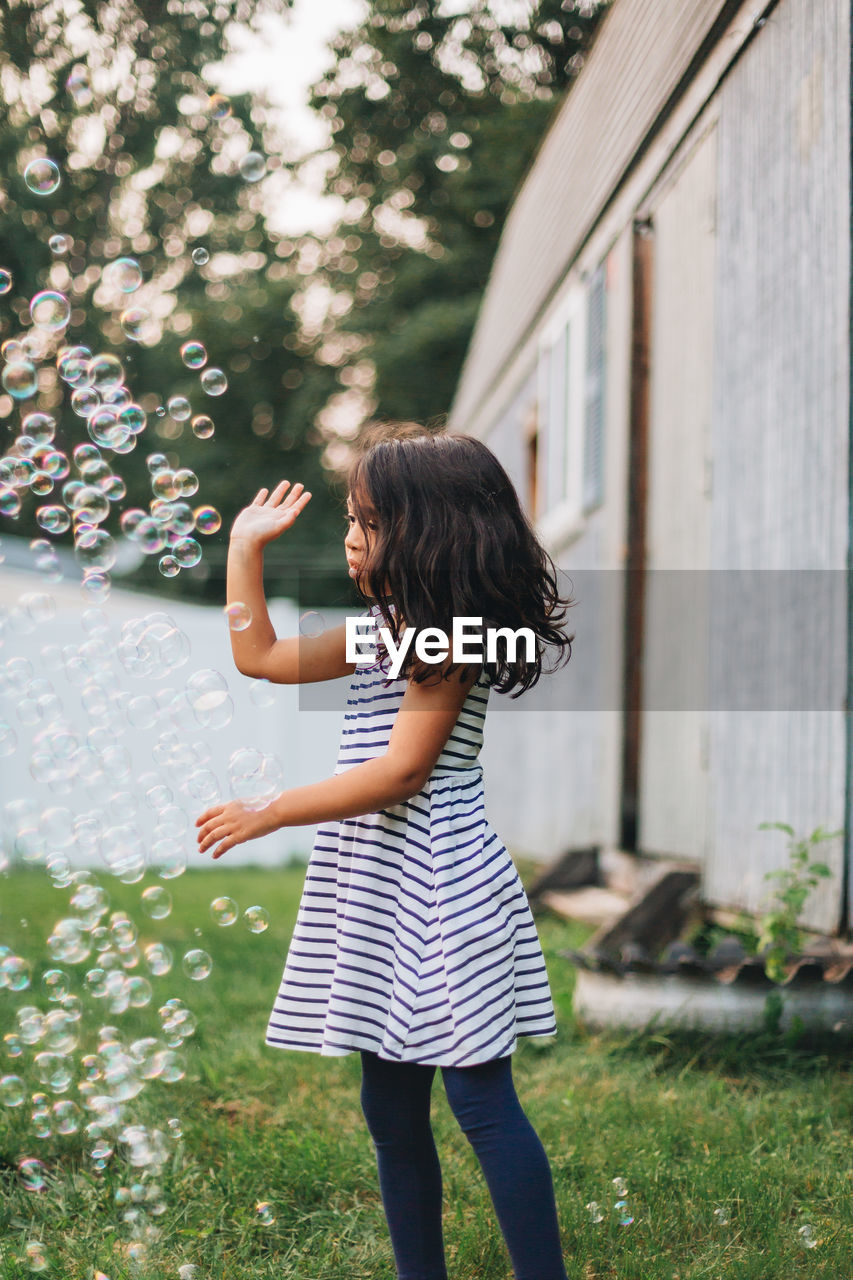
pixel 270 514
pixel 228 824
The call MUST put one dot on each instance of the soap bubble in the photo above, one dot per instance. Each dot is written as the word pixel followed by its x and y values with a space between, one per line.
pixel 238 615
pixel 53 519
pixel 200 256
pixel 202 426
pixel 187 552
pixel 55 983
pixel 32 1174
pixel 105 371
pixel 207 520
pixel 59 244
pixel 197 964
pixel 214 382
pixel 78 85
pixel 312 624
pixel 257 920
pixel 41 427
pixel 50 310
pixel 168 566
pixel 179 408
pixel 219 106
pixel 207 695
pixel 5 280
pixel 252 167
pixel 95 550
pixel 156 902
pixel 124 275
pixel 224 910
pixel 20 379
pixel 193 355
pixel 137 324
pixel 158 957
pixel 186 482
pixel 12 1091
pixel 14 973
pixel 42 176
pixel 264 1210
pixel 261 694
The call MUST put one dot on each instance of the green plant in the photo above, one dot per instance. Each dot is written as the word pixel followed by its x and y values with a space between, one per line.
pixel 778 931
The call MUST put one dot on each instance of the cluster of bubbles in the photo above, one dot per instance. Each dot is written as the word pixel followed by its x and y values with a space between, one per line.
pixel 624 1217
pixel 70 1066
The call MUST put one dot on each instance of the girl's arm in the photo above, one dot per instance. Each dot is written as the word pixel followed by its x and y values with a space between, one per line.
pixel 424 723
pixel 256 650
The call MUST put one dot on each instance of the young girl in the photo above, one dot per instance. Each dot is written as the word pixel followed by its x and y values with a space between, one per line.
pixel 414 943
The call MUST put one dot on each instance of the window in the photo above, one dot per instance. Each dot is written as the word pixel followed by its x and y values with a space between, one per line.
pixel 593 427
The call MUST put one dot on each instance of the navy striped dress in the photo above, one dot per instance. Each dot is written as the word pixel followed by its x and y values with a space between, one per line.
pixel 414 937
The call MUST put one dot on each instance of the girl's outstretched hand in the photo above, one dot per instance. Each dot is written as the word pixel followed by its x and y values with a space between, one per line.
pixel 267 517
pixel 228 824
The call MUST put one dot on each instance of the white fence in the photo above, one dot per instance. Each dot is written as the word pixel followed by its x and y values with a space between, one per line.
pixel 99 805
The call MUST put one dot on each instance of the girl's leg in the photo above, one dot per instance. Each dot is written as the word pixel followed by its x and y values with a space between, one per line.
pixel 514 1162
pixel 395 1098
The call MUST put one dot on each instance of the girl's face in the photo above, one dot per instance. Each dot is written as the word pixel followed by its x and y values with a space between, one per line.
pixel 356 543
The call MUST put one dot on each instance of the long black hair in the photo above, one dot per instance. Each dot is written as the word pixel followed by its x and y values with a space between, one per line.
pixel 451 540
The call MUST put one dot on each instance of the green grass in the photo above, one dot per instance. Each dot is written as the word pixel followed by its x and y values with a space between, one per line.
pixel 760 1126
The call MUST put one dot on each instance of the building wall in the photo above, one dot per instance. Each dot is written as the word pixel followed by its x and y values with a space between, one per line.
pixel 780 443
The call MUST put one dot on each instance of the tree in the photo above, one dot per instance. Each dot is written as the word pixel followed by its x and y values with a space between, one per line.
pixel 153 167
pixel 434 121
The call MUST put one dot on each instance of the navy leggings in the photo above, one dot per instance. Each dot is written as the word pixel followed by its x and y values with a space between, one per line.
pixel 395 1098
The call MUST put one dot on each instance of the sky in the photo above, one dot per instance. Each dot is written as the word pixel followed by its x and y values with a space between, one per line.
pixel 284 57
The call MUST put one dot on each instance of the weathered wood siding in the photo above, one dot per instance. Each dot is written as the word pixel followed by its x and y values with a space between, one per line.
pixel 641 54
pixel 780 434
pixel 673 790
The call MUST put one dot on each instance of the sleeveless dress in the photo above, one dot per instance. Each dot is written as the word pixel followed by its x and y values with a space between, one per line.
pixel 414 937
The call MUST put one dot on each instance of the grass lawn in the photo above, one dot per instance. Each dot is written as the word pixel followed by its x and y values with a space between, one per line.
pixel 727 1148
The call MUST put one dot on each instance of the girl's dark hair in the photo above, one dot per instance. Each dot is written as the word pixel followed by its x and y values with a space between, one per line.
pixel 451 540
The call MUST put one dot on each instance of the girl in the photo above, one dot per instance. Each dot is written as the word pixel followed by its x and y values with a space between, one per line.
pixel 414 943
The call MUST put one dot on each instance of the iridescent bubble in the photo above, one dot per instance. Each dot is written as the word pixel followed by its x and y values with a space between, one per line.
pixel 67 1116
pixel 55 983
pixel 312 624
pixel 21 379
pixel 264 1210
pixel 257 919
pixel 14 973
pixel 207 520
pixel 90 504
pixel 193 355
pixel 5 280
pixel 224 910
pixel 95 550
pixel 238 615
pixel 202 426
pixel 13 1090
pixel 36 1256
pixel 136 323
pixel 156 902
pixel 200 256
pixel 40 427
pixel 72 364
pixel 187 552
pixel 168 566
pixel 50 310
pixel 214 382
pixel 186 482
pixel 10 502
pixel 179 408
pixel 42 176
pixel 105 371
pixel 134 417
pixel 59 244
pixel 158 957
pixel 197 964
pixel 252 167
pixel 219 106
pixel 32 1173
pixel 261 694
pixel 123 275
pixel 84 401
pixel 78 85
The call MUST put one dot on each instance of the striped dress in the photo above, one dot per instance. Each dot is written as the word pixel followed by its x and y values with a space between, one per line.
pixel 414 937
